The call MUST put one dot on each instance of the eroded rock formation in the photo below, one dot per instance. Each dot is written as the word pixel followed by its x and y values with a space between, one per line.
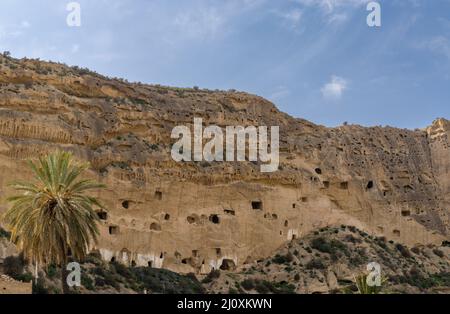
pixel 194 216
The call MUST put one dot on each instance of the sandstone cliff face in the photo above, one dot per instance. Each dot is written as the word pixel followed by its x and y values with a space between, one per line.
pixel 194 216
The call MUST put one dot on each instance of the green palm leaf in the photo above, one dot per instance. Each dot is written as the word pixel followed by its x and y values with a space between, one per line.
pixel 53 217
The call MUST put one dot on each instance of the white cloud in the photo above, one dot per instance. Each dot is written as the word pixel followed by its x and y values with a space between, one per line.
pixel 330 5
pixel 335 88
pixel 337 18
pixel 206 22
pixel 292 18
pixel 13 30
pixel 335 12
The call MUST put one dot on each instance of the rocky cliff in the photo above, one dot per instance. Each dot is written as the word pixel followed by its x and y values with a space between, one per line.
pixel 195 216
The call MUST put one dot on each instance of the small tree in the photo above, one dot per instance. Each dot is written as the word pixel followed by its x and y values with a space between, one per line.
pixel 53 217
pixel 364 288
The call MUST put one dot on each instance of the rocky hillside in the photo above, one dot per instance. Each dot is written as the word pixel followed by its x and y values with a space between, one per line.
pixel 199 216
pixel 325 261
pixel 328 261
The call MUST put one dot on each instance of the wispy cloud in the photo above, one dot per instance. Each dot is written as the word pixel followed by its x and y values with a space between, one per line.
pixel 279 93
pixel 335 88
pixel 13 30
pixel 330 5
pixel 334 11
pixel 206 22
pixel 438 45
pixel 291 18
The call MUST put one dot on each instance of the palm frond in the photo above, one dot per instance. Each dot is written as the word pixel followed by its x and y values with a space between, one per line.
pixel 53 215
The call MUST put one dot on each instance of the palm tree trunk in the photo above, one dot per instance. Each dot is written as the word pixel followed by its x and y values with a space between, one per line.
pixel 65 286
pixel 36 276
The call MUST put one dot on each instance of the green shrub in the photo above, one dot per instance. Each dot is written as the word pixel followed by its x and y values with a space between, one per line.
pixel 282 259
pixel 52 271
pixel 434 280
pixel 13 266
pixel 4 233
pixel 283 288
pixel 99 282
pixel 26 277
pixel 330 247
pixel 248 284
pixel 356 260
pixel 94 258
pixel 315 264
pixel 213 274
pixel 87 282
pixel 165 281
pixel 122 270
pixel 403 250
pixel 39 287
pixel 350 238
pixel 263 286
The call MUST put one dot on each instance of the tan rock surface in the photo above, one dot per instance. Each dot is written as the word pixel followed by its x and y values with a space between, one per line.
pixel 11 286
pixel 193 216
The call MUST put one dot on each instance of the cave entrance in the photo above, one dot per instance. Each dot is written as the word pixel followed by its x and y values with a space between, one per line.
pixel 228 264
pixel 344 185
pixel 155 227
pixel 158 195
pixel 229 212
pixel 102 215
pixel 257 205
pixel 406 213
pixel 193 219
pixel 114 230
pixel 214 219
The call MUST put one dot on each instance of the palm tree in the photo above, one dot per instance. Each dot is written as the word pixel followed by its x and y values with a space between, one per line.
pixel 365 288
pixel 53 218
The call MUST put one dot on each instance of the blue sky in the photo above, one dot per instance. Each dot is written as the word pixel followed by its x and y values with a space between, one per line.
pixel 315 59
